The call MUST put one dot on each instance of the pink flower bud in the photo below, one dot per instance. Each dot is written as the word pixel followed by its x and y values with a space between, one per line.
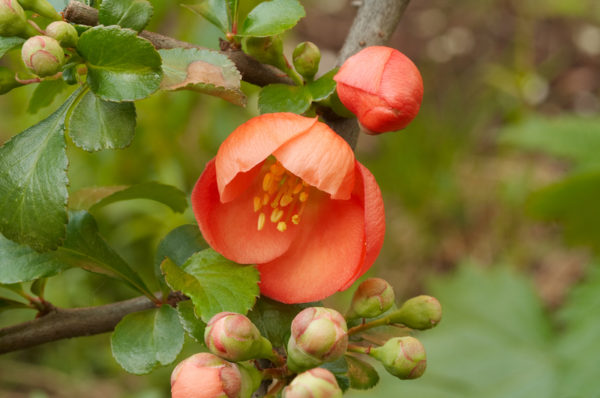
pixel 318 335
pixel 404 357
pixel 234 337
pixel 372 298
pixel 314 383
pixel 42 55
pixel 382 87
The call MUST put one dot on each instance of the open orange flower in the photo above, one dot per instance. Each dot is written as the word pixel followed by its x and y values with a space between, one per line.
pixel 286 193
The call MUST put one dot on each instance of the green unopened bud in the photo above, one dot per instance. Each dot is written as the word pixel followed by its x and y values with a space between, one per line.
pixel 13 21
pixel 372 298
pixel 404 357
pixel 318 335
pixel 7 80
pixel 314 383
pixel 267 50
pixel 234 337
pixel 421 312
pixel 306 58
pixel 63 32
pixel 42 55
pixel 41 7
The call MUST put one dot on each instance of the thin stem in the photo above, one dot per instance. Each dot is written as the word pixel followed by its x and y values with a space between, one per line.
pixel 369 325
pixel 278 386
pixel 359 349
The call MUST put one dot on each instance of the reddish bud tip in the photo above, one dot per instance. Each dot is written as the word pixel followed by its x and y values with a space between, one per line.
pixel 372 298
pixel 404 357
pixel 42 55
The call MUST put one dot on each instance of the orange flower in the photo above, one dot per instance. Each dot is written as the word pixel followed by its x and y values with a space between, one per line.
pixel 286 193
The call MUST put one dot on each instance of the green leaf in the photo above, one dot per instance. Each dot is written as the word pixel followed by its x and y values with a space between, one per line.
pixel 45 93
pixel 215 12
pixel 144 340
pixel 96 124
pixel 283 98
pixel 38 286
pixel 362 375
pixel 8 43
pixel 121 65
pixel 214 283
pixel 323 87
pixel 190 322
pixel 33 183
pixel 272 17
pixel 339 368
pixel 205 71
pixel 133 14
pixel 8 304
pixel 20 263
pixel 85 248
pixel 274 319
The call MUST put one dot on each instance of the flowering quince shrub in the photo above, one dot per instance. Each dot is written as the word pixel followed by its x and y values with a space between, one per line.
pixel 285 214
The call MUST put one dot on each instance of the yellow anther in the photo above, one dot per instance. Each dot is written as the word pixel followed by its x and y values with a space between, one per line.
pixel 286 200
pixel 281 226
pixel 297 188
pixel 277 169
pixel 267 182
pixel 275 201
pixel 261 221
pixel 265 199
pixel 296 219
pixel 257 203
pixel 276 215
pixel 303 196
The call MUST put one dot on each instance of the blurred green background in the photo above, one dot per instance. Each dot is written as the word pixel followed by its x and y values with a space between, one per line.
pixel 492 199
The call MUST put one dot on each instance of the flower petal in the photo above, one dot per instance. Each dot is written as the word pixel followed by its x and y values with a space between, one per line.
pixel 253 142
pixel 321 158
pixel 231 228
pixel 354 74
pixel 327 252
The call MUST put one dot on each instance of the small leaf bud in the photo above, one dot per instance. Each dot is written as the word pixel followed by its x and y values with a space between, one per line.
pixel 318 335
pixel 306 58
pixel 314 383
pixel 267 50
pixel 42 7
pixel 42 55
pixel 63 32
pixel 13 21
pixel 372 298
pixel 7 80
pixel 421 313
pixel 404 357
pixel 234 337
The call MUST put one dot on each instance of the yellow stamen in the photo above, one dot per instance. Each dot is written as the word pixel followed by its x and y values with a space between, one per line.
pixel 257 203
pixel 267 182
pixel 277 169
pixel 296 219
pixel 275 201
pixel 265 199
pixel 261 221
pixel 286 200
pixel 303 196
pixel 281 226
pixel 297 188
pixel 276 215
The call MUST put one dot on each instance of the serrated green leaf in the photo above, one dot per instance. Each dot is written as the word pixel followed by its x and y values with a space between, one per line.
pixel 274 319
pixel 132 14
pixel 121 65
pixel 33 183
pixel 44 94
pixel 283 98
pixel 190 322
pixel 9 304
pixel 205 71
pixel 272 17
pixel 339 368
pixel 215 12
pixel 96 124
pixel 144 340
pixel 362 375
pixel 8 43
pixel 214 283
pixel 323 87
pixel 85 248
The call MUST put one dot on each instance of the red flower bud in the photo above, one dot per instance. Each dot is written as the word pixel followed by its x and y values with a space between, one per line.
pixel 382 87
pixel 315 383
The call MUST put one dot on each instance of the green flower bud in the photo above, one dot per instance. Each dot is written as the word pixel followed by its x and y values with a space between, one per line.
pixel 421 312
pixel 7 80
pixel 42 7
pixel 306 58
pixel 404 357
pixel 234 337
pixel 267 50
pixel 314 383
pixel 13 21
pixel 318 335
pixel 372 298
pixel 42 55
pixel 63 32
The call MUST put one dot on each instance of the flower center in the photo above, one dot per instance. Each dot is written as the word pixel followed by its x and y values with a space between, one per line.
pixel 283 197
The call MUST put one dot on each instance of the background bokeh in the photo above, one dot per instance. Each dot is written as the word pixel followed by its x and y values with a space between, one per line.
pixel 492 199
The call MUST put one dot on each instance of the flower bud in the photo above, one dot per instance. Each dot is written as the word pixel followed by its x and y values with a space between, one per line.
pixel 318 335
pixel 314 383
pixel 382 87
pixel 7 80
pixel 234 337
pixel 404 357
pixel 372 298
pixel 267 50
pixel 421 312
pixel 306 58
pixel 63 32
pixel 41 7
pixel 13 21
pixel 42 55
pixel 205 375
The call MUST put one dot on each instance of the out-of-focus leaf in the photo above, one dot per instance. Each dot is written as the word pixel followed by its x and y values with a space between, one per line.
pixel 215 12
pixel 9 304
pixel 144 340
pixel 323 87
pixel 133 14
pixel 362 375
pixel 284 98
pixel 96 124
pixel 205 71
pixel 272 17
pixel 339 368
pixel 8 43
pixel 38 286
pixel 190 322
pixel 214 283
pixel 44 94
pixel 121 65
